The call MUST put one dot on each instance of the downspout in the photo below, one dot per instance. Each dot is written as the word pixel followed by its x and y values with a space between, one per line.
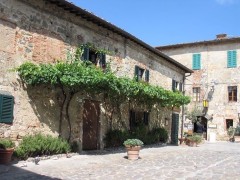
pixel 183 109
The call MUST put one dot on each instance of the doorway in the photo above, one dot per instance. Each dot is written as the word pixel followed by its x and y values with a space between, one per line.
pixel 201 126
pixel 91 125
pixel 174 130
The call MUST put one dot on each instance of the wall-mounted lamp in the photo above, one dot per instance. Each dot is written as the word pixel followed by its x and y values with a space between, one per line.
pixel 205 103
pixel 212 88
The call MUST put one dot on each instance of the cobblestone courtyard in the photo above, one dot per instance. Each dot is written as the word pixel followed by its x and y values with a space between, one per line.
pixel 219 160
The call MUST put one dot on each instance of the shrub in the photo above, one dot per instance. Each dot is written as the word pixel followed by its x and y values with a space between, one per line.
pixel 140 132
pixel 237 131
pixel 6 143
pixel 41 145
pixel 160 134
pixel 115 138
pixel 195 138
pixel 133 142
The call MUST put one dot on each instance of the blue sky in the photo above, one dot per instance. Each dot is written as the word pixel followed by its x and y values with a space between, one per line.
pixel 163 22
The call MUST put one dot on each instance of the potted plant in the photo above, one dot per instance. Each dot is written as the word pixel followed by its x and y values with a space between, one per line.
pixel 6 150
pixel 231 131
pixel 194 140
pixel 237 134
pixel 133 147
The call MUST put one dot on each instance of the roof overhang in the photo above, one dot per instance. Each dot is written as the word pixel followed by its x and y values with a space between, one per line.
pixel 200 43
pixel 71 8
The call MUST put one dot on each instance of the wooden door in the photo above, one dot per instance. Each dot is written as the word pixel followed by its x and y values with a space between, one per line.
pixel 174 131
pixel 91 114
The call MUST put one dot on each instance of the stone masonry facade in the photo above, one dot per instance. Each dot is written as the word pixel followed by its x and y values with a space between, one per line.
pixel 41 32
pixel 213 78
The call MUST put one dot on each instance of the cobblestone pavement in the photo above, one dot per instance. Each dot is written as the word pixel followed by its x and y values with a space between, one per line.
pixel 216 161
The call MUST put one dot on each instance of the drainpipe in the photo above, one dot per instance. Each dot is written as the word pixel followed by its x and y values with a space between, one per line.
pixel 183 110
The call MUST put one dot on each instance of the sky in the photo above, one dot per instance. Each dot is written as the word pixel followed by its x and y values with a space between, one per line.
pixel 165 22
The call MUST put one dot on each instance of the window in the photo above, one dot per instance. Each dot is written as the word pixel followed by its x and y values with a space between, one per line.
pixel 138 118
pixel 6 108
pixel 139 74
pixel 231 59
pixel 176 86
pixel 229 123
pixel 196 94
pixel 196 61
pixel 232 93
pixel 98 59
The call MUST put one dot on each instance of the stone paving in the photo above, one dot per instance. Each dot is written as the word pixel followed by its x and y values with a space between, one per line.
pixel 220 160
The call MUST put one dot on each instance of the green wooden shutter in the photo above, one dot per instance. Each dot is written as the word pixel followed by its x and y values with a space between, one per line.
pixel 234 59
pixel 196 61
pixel 180 87
pixel 231 59
pixel 6 108
pixel 102 61
pixel 136 73
pixel 199 61
pixel 85 55
pixel 147 75
pixel 173 85
pixel 175 127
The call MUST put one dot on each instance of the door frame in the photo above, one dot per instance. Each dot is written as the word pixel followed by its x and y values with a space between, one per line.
pixel 98 129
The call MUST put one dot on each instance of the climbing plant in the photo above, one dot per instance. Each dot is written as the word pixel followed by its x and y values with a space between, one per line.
pixel 78 76
pixel 194 114
pixel 74 76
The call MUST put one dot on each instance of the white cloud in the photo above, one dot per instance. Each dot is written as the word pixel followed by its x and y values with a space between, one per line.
pixel 223 2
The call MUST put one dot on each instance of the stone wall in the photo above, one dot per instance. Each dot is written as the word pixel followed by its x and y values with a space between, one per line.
pixel 214 72
pixel 33 31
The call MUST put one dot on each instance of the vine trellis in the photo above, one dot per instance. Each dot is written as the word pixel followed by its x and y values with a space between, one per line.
pixel 75 76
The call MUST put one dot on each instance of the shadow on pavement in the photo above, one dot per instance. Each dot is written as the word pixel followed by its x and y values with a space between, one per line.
pixel 10 172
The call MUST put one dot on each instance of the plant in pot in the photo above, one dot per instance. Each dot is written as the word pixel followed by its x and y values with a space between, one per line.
pixel 194 140
pixel 237 134
pixel 133 147
pixel 231 131
pixel 6 150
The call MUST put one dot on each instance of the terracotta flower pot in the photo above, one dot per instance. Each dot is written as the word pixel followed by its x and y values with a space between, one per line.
pixel 192 144
pixel 6 155
pixel 237 138
pixel 133 152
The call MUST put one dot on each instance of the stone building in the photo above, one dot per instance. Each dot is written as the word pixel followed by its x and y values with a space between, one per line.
pixel 44 31
pixel 216 79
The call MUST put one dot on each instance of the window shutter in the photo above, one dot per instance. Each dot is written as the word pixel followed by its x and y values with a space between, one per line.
pixel 85 55
pixel 147 75
pixel 6 108
pixel 173 85
pixel 102 61
pixel 231 59
pixel 196 61
pixel 194 65
pixel 146 118
pixel 234 59
pixel 180 87
pixel 136 73
pixel 229 55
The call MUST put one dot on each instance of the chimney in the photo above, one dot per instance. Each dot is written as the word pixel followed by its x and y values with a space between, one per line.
pixel 221 36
